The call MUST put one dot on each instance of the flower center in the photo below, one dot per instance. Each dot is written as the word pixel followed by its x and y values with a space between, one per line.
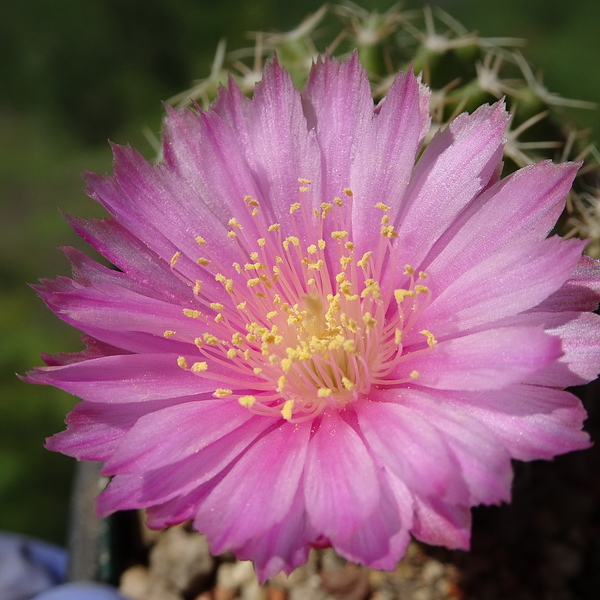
pixel 309 323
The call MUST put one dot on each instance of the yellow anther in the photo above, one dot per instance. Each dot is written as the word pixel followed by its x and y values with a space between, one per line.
pixel 210 339
pixel 423 275
pixel 365 259
pixel 292 239
pixel 398 336
pixel 257 370
pixel 203 261
pixel 274 227
pixel 414 374
pixel 241 305
pixel 286 364
pixel 408 270
pixel 273 359
pixel 254 256
pixel 261 242
pixel 338 201
pixel 339 235
pixel 175 258
pixel 168 334
pixel 237 267
pixel 401 294
pixel 200 240
pixel 254 212
pixel 311 281
pixel 294 207
pixel 231 234
pixel 312 249
pixel 382 206
pixel 372 287
pixel 246 354
pixel 349 346
pixel 192 314
pixel 197 287
pixel 349 246
pixel 250 201
pixel 303 189
pixel 252 282
pixel 348 385
pixel 234 223
pixel 247 401
pixel 326 208
pixel 431 341
pixel 237 339
pixel 216 306
pixel 181 362
pixel 286 411
pixel 340 277
pixel 219 317
pixel 231 353
pixel 222 393
pixel 348 192
pixel 321 244
pixel 272 314
pixel 281 383
pixel 198 367
pixel 199 343
pixel 304 181
pixel 388 231
pixel 316 265
pixel 324 392
pixel 368 320
pixel 421 289
pixel 352 326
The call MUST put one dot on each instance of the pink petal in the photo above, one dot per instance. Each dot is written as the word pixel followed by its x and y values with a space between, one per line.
pixel 183 429
pixel 484 462
pixel 442 524
pixel 487 360
pixel 507 283
pixel 126 378
pixel 341 489
pixel 396 435
pixel 532 422
pixel 456 165
pixel 385 160
pixel 241 506
pixel 522 207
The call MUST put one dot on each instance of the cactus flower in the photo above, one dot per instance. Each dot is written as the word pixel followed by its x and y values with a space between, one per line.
pixel 318 332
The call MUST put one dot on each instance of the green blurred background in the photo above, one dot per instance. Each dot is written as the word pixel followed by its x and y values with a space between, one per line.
pixel 75 73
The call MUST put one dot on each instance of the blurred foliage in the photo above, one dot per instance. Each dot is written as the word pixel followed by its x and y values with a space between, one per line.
pixel 77 72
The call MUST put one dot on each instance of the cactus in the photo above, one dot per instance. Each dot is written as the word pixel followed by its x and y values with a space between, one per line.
pixel 463 70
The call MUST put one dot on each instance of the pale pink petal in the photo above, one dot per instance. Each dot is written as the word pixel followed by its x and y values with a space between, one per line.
pixel 275 463
pixel 341 491
pixel 183 429
pixel 532 422
pixel 386 156
pixel 484 463
pixel 507 283
pixel 456 165
pixel 396 435
pixel 283 547
pixel 486 360
pixel 442 524
pixel 126 378
pixel 524 206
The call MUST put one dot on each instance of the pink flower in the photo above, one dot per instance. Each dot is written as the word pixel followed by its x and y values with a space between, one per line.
pixel 313 340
